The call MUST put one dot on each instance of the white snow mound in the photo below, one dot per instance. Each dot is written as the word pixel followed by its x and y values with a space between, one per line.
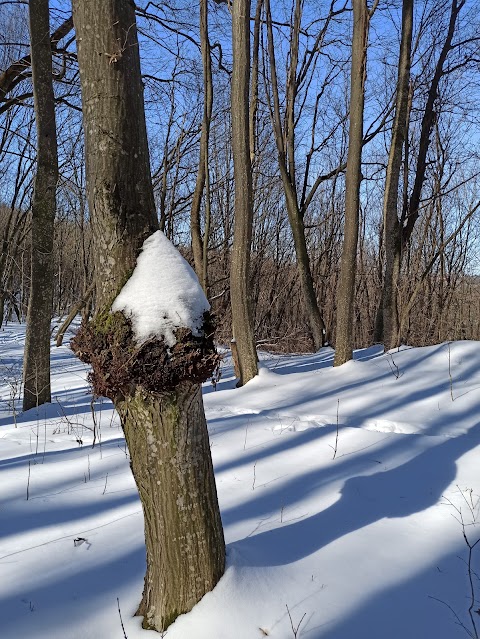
pixel 162 294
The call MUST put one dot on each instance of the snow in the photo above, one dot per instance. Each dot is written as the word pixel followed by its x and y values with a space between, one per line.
pixel 162 294
pixel 364 546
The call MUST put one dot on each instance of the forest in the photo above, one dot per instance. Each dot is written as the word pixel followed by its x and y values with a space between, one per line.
pixel 419 161
pixel 196 194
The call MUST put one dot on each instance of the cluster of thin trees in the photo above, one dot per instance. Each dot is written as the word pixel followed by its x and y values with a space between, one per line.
pixel 411 202
pixel 317 163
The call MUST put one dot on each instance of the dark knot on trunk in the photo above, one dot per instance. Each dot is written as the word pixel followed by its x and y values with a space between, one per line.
pixel 120 365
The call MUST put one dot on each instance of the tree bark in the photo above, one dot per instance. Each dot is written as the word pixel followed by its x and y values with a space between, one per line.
pixel 399 231
pixel 286 162
pixel 168 443
pixel 240 265
pixel 165 430
pixel 346 286
pixel 391 224
pixel 200 256
pixel 36 370
pixel 119 189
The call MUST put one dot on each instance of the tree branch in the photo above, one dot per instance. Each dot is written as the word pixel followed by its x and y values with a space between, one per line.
pixel 16 71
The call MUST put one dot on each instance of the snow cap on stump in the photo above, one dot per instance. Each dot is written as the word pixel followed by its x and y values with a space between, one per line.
pixel 162 294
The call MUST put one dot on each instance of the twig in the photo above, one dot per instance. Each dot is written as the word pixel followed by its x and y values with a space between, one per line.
pixel 28 480
pixel 336 437
pixel 469 563
pixel 105 487
pixel 393 367
pixel 295 629
pixel 94 419
pixel 450 373
pixel 121 620
pixel 458 620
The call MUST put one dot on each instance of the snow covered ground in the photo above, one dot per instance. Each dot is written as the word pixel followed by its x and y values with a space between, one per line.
pixel 366 545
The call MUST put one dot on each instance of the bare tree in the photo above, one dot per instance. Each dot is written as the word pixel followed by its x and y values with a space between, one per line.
pixel 391 224
pixel 159 400
pixel 346 287
pixel 240 264
pixel 400 229
pixel 299 194
pixel 199 244
pixel 36 368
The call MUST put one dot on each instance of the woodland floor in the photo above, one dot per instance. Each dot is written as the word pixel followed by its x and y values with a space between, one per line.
pixel 366 545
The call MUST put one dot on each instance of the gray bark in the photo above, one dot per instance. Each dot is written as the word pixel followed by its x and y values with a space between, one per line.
pixel 346 286
pixel 240 265
pixel 199 246
pixel 36 368
pixel 391 224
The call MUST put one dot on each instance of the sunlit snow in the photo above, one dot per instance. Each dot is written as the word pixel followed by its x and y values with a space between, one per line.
pixel 162 294
pixel 368 545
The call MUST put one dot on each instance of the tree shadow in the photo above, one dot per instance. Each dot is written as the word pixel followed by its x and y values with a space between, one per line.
pixel 59 603
pixel 404 490
pixel 40 516
pixel 411 608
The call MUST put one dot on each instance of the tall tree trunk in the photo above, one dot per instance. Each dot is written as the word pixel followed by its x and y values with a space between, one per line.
pixel 254 82
pixel 36 368
pixel 242 239
pixel 315 319
pixel 391 224
pixel 286 162
pixel 198 245
pixel 165 429
pixel 346 286
pixel 400 231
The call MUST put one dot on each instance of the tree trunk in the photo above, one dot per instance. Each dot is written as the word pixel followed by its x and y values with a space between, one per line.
pixel 399 232
pixel 391 224
pixel 168 443
pixel 36 369
pixel 199 254
pixel 242 239
pixel 119 188
pixel 346 286
pixel 315 319
pixel 165 430
pixel 428 121
pixel 286 162
pixel 254 82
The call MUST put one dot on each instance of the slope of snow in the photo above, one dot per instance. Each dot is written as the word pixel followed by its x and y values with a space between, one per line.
pixel 162 294
pixel 364 544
